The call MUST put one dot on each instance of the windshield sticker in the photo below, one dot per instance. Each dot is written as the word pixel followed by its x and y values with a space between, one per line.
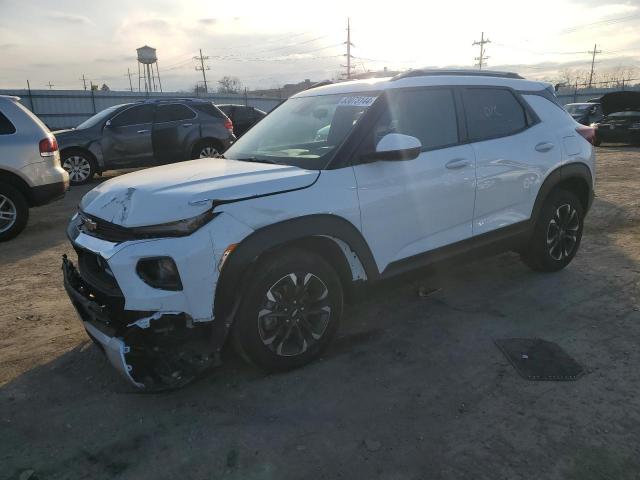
pixel 357 101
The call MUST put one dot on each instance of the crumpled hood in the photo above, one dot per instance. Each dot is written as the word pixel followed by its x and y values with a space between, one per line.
pixel 183 190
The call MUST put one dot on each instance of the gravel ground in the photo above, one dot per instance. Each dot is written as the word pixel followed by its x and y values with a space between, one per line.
pixel 413 387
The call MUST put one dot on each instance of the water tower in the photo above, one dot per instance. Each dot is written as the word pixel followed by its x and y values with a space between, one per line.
pixel 147 58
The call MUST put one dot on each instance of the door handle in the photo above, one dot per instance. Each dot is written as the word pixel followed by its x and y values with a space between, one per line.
pixel 187 124
pixel 143 131
pixel 544 146
pixel 457 163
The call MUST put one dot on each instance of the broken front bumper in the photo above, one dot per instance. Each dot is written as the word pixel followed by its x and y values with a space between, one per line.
pixel 152 351
pixel 95 318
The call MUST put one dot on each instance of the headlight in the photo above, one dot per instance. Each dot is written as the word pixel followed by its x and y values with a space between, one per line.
pixel 594 125
pixel 180 228
pixel 159 272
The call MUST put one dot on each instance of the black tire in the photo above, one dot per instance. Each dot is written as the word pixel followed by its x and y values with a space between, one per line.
pixel 210 146
pixel 14 204
pixel 80 165
pixel 276 341
pixel 557 233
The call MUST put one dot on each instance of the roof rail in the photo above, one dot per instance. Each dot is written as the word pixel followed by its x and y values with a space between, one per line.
pixel 427 72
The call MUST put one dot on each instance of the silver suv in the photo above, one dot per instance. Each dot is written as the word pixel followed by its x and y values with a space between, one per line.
pixel 30 171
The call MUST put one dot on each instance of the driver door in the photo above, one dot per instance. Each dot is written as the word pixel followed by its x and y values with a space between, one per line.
pixel 410 207
pixel 126 138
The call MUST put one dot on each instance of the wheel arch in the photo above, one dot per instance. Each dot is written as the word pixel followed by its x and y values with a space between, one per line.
pixel 329 236
pixel 80 149
pixel 18 182
pixel 574 177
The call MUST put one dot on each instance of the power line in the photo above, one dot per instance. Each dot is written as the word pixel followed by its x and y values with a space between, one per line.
pixel 595 51
pixel 203 68
pixel 482 57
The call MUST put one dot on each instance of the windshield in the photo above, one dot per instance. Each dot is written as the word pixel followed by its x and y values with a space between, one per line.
pixel 304 131
pixel 98 117
pixel 578 108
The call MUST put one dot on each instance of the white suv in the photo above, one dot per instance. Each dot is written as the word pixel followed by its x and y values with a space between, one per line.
pixel 30 171
pixel 342 184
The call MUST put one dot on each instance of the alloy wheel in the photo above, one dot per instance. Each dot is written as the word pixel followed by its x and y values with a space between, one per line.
pixel 8 213
pixel 562 232
pixel 208 151
pixel 78 168
pixel 295 314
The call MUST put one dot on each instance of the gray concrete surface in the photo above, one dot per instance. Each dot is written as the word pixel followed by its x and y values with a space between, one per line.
pixel 412 388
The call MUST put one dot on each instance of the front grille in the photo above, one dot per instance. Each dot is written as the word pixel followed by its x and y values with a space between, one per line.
pixel 99 228
pixel 95 270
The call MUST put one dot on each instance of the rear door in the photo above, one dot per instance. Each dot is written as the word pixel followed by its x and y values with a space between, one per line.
pixel 126 138
pixel 175 130
pixel 513 152
pixel 410 207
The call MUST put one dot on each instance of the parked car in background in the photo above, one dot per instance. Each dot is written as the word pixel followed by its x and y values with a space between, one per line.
pixel 243 117
pixel 621 123
pixel 30 170
pixel 265 245
pixel 147 133
pixel 585 113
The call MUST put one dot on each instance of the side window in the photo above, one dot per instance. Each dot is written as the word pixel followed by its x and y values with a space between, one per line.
pixel 6 127
pixel 492 113
pixel 208 108
pixel 173 113
pixel 429 115
pixel 137 115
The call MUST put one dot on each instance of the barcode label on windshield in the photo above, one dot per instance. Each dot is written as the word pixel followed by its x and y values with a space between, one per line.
pixel 357 101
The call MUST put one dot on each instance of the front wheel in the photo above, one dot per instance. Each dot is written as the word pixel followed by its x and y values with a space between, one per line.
pixel 290 312
pixel 557 233
pixel 205 149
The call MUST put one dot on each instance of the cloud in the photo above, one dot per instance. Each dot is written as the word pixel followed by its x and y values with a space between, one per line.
pixel 70 18
pixel 154 24
pixel 208 21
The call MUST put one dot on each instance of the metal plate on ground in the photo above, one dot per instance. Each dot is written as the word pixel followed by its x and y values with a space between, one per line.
pixel 537 359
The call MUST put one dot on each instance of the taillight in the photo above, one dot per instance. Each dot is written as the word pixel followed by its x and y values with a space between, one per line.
pixel 48 146
pixel 228 124
pixel 589 133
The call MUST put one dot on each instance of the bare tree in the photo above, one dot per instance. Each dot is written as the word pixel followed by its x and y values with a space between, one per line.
pixel 229 85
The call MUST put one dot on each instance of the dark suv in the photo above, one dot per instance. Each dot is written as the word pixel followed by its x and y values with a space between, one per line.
pixel 242 116
pixel 147 133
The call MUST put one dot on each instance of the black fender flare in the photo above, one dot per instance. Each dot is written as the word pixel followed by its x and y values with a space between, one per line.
pixel 561 174
pixel 279 234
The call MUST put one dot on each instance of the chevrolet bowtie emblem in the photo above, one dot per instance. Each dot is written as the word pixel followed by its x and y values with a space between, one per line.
pixel 89 225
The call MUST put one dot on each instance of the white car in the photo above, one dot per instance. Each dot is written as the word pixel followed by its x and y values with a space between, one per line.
pixel 266 243
pixel 30 170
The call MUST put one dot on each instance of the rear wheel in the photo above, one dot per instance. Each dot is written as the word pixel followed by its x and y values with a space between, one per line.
pixel 14 212
pixel 557 233
pixel 80 166
pixel 290 312
pixel 206 149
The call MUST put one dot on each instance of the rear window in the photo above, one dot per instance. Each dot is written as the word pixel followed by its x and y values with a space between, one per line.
pixel 492 113
pixel 6 127
pixel 173 113
pixel 209 109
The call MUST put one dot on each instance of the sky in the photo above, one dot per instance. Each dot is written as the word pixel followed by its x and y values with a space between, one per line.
pixel 268 43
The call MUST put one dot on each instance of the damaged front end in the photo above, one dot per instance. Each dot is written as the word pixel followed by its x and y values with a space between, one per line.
pixel 152 350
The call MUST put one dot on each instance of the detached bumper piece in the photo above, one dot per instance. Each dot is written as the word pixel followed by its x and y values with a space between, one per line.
pixel 151 350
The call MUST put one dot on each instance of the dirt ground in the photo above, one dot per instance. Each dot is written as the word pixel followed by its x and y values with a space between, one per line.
pixel 414 387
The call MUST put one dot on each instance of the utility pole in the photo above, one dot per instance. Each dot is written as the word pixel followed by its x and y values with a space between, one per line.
pixel 594 52
pixel 482 57
pixel 203 67
pixel 84 81
pixel 130 84
pixel 51 85
pixel 349 45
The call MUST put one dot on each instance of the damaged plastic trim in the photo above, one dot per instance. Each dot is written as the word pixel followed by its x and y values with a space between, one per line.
pixel 357 269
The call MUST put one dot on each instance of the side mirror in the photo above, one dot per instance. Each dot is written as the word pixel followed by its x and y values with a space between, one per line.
pixel 395 146
pixel 107 123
